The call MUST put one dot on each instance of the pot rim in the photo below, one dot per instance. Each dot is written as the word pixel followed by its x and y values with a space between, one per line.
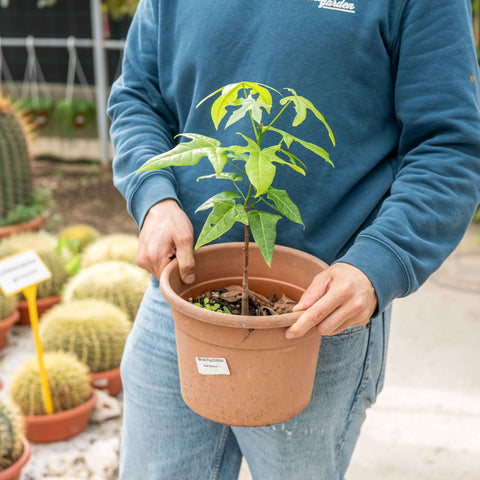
pixel 45 419
pixel 218 318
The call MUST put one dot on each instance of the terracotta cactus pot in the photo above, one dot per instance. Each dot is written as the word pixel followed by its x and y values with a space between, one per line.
pixel 240 370
pixel 13 472
pixel 43 305
pixel 61 425
pixel 110 381
pixel 30 226
pixel 5 325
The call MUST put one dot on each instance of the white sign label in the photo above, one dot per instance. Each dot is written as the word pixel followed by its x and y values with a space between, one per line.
pixel 21 271
pixel 212 366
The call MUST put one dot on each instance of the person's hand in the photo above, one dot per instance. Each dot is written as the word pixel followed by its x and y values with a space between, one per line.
pixel 339 297
pixel 166 232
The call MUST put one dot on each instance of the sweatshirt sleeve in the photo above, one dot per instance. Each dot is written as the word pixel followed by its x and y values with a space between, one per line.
pixel 142 125
pixel 437 174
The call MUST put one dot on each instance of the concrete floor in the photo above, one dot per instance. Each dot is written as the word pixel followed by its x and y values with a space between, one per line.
pixel 426 423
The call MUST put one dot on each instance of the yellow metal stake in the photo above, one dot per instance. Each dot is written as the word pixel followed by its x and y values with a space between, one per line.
pixel 30 293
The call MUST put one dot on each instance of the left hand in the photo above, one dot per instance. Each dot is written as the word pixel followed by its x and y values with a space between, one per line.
pixel 339 297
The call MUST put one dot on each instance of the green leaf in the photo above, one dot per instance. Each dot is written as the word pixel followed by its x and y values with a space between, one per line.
pixel 229 95
pixel 233 176
pixel 221 220
pixel 259 166
pixel 302 104
pixel 263 226
pixel 288 139
pixel 293 164
pixel 285 204
pixel 246 105
pixel 190 153
pixel 219 197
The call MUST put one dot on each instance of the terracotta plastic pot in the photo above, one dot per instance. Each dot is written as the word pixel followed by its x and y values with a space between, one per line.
pixel 13 472
pixel 240 370
pixel 61 425
pixel 31 226
pixel 43 305
pixel 5 325
pixel 110 381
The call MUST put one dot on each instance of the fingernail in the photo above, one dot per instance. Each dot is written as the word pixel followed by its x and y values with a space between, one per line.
pixel 289 335
pixel 189 278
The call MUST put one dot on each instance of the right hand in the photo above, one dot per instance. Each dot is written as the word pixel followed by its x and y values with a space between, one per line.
pixel 166 232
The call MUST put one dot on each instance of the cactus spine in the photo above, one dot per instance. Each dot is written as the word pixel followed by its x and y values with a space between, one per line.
pixel 15 170
pixel 94 330
pixel 11 433
pixel 119 246
pixel 45 246
pixel 116 282
pixel 68 379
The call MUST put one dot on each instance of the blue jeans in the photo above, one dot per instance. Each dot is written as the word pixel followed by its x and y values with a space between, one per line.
pixel 162 439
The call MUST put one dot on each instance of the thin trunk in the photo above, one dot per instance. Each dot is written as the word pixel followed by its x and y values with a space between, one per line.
pixel 245 271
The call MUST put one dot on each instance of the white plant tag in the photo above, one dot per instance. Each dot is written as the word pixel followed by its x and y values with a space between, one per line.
pixel 212 366
pixel 22 270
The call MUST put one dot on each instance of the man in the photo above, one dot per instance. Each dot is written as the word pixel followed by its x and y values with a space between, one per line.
pixel 398 83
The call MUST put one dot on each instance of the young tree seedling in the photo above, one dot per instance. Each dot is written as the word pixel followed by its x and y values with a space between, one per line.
pixel 251 162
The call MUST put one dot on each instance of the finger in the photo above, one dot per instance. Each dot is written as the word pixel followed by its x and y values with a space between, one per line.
pixel 313 315
pixel 338 321
pixel 316 289
pixel 185 259
pixel 153 258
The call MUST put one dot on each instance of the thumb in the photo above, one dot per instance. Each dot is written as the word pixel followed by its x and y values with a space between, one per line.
pixel 186 263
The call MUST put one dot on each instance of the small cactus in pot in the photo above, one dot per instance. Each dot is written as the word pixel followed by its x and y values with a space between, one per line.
pixel 116 282
pixel 45 245
pixel 67 378
pixel 8 316
pixel 83 234
pixel 72 395
pixel 8 305
pixel 94 330
pixel 11 435
pixel 118 246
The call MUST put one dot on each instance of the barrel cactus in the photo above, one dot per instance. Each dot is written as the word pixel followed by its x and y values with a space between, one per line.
pixel 15 169
pixel 68 379
pixel 94 330
pixel 8 305
pixel 82 233
pixel 116 282
pixel 45 245
pixel 117 246
pixel 11 433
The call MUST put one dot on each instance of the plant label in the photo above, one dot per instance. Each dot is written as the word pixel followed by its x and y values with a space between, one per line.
pixel 212 366
pixel 21 271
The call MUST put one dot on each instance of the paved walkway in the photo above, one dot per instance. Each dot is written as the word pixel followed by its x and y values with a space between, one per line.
pixel 426 423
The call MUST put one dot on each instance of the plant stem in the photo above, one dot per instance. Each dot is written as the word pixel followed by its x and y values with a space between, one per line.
pixel 275 119
pixel 245 271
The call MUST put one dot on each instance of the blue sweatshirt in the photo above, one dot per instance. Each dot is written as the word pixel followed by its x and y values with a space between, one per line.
pixel 397 81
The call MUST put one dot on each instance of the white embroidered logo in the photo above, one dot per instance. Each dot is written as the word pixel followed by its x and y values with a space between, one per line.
pixel 340 5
